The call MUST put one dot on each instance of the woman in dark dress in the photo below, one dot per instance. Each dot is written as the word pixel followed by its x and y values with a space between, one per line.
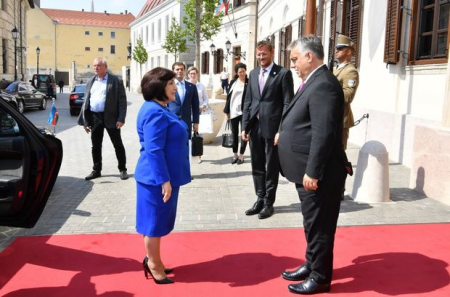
pixel 163 167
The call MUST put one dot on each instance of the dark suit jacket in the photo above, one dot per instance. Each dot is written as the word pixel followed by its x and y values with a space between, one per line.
pixel 275 98
pixel 115 105
pixel 226 109
pixel 189 112
pixel 310 139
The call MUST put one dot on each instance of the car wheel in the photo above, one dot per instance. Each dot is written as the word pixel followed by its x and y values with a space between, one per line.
pixel 20 106
pixel 43 104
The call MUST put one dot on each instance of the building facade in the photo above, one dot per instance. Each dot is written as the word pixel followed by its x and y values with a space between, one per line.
pixel 151 25
pixel 14 47
pixel 70 40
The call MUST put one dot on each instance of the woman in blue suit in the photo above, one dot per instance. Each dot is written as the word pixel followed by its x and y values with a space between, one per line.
pixel 163 167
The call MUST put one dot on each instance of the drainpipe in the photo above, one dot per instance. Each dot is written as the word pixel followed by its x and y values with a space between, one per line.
pixel 310 27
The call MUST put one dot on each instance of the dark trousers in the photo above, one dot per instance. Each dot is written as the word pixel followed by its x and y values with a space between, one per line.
pixel 265 165
pixel 235 122
pixel 320 210
pixel 97 131
pixel 225 85
pixel 61 89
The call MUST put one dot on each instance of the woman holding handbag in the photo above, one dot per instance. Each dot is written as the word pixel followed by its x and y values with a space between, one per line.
pixel 202 94
pixel 233 109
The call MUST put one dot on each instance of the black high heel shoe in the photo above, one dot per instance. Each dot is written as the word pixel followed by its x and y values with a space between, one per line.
pixel 166 270
pixel 147 270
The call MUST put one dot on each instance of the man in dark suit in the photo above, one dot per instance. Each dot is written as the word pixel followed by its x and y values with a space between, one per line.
pixel 312 157
pixel 269 91
pixel 104 107
pixel 186 104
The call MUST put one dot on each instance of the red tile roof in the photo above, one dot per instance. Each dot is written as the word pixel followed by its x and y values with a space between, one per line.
pixel 85 18
pixel 149 5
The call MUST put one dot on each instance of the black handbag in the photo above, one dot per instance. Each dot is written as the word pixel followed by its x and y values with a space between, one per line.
pixel 227 138
pixel 197 145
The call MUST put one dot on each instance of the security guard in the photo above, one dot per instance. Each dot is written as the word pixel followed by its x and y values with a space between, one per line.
pixel 348 76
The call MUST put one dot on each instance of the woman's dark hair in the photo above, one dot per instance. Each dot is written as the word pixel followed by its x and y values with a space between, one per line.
pixel 154 82
pixel 239 65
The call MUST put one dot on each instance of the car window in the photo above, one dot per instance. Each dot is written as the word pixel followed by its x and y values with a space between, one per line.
pixel 79 89
pixel 22 87
pixel 30 88
pixel 12 86
pixel 8 126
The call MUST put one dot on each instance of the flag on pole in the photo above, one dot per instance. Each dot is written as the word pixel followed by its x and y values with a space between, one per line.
pixel 53 117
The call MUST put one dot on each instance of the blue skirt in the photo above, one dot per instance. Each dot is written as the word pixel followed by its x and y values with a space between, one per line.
pixel 155 218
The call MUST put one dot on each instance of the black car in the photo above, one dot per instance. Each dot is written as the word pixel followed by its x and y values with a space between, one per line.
pixel 8 98
pixel 45 83
pixel 27 96
pixel 76 98
pixel 29 165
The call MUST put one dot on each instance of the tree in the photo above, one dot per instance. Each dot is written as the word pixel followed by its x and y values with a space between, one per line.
pixel 175 40
pixel 140 54
pixel 201 22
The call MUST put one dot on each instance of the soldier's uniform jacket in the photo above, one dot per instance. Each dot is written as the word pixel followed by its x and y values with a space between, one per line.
pixel 349 79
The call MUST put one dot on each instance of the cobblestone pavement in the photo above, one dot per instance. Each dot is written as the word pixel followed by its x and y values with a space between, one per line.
pixel 215 200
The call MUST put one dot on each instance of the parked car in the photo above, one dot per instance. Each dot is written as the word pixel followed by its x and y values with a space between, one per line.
pixel 76 98
pixel 30 160
pixel 27 96
pixel 8 98
pixel 41 82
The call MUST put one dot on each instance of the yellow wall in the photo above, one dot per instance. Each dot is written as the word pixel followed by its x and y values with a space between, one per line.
pixel 41 33
pixel 72 42
pixel 70 45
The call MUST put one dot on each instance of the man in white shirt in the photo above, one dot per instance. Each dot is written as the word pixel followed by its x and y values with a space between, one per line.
pixel 224 75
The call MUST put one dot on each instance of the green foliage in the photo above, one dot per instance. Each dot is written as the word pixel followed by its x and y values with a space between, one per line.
pixel 209 22
pixel 175 40
pixel 140 54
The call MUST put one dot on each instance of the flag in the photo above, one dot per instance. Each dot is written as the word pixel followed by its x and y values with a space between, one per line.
pixel 53 117
pixel 223 6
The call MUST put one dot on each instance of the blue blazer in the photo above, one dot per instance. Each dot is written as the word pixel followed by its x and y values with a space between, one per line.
pixel 164 147
pixel 189 111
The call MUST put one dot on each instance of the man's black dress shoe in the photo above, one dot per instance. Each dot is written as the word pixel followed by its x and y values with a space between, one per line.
pixel 299 274
pixel 266 212
pixel 94 174
pixel 123 175
pixel 308 287
pixel 256 208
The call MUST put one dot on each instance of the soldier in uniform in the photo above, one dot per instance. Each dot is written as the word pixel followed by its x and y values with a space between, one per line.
pixel 348 76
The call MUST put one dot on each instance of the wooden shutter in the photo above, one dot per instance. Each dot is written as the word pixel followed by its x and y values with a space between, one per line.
pixel 207 63
pixel 215 61
pixel 332 42
pixel 288 40
pixel 203 62
pixel 281 51
pixel 393 31
pixel 354 28
pixel 301 27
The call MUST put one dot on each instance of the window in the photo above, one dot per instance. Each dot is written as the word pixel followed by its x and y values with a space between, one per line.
pixel 146 34
pixel 159 30
pixel 301 26
pixel 167 26
pixel 158 61
pixel 113 49
pixel 350 25
pixel 88 66
pixel 100 49
pixel 153 32
pixel 87 48
pixel 429 37
pixel 285 40
pixel 205 63
pixel 218 61
pixel 3 5
pixel 100 33
pixel 87 33
pixel 166 61
pixel 237 3
pixel 113 34
pixel 152 63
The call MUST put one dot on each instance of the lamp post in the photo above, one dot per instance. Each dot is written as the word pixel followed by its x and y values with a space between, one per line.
pixel 129 51
pixel 38 51
pixel 238 54
pixel 213 52
pixel 15 35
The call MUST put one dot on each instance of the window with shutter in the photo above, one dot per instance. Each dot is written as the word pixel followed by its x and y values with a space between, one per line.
pixel 203 62
pixel 393 31
pixel 288 39
pixel 281 51
pixel 333 25
pixel 207 62
pixel 351 25
pixel 301 26
pixel 430 32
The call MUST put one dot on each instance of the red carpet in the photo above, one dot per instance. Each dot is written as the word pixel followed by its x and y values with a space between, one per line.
pixel 410 260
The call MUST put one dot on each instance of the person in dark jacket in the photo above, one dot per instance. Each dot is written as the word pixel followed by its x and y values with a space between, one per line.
pixel 233 109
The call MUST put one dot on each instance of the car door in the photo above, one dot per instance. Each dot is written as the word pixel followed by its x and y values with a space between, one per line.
pixel 29 165
pixel 25 95
pixel 37 96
